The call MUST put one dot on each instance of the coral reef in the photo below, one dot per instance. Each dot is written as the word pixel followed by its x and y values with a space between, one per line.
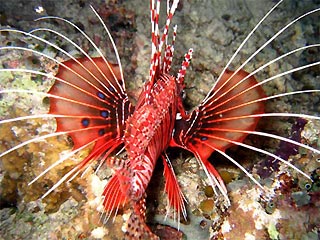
pixel 288 209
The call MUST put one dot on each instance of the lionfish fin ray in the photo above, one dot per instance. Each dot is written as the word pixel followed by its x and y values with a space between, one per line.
pixel 176 198
pixel 197 133
pixel 105 118
pixel 214 178
pixel 239 49
pixel 113 196
pixel 194 132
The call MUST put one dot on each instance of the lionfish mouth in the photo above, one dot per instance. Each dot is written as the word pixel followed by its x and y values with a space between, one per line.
pixel 64 108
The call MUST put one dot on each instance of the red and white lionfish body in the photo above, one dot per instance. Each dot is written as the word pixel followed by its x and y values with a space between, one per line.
pixel 90 104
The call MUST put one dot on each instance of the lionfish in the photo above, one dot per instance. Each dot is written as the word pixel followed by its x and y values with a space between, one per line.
pixel 90 104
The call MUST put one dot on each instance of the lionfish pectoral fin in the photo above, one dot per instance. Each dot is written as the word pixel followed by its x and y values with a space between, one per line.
pixel 175 196
pixel 113 195
pixel 222 120
pixel 117 191
pixel 232 108
pixel 91 103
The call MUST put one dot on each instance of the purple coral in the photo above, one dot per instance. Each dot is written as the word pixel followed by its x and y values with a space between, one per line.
pixel 284 151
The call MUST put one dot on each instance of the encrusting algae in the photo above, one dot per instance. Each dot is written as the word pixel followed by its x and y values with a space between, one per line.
pixel 72 211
